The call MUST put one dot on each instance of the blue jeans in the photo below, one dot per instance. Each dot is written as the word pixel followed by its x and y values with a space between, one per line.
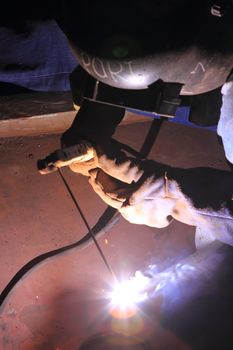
pixel 38 59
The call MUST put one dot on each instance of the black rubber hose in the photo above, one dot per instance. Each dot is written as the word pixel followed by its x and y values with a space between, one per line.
pixel 109 218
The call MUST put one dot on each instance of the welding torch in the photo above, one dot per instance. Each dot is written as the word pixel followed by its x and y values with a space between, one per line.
pixel 83 151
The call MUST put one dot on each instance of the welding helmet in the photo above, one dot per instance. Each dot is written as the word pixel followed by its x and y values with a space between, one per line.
pixel 130 44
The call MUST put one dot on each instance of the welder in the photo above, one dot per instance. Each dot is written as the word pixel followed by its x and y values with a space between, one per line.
pixel 161 51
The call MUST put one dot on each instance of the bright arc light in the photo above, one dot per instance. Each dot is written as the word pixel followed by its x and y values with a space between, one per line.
pixel 130 292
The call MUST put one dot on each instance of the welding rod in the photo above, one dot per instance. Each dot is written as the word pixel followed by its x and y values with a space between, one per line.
pixel 88 226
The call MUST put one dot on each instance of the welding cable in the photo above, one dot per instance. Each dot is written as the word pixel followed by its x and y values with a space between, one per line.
pixel 108 219
pixel 104 224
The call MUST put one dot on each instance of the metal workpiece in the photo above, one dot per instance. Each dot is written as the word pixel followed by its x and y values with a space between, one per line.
pixel 80 152
pixel 185 42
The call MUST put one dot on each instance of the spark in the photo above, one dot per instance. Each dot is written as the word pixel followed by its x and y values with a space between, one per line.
pixel 127 294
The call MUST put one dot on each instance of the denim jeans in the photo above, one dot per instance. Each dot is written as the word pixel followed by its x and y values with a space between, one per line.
pixel 37 58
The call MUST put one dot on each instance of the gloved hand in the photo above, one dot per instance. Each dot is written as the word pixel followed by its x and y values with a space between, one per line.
pixel 150 193
pixel 94 123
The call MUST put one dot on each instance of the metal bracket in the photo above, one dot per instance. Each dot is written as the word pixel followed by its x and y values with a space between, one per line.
pixel 159 98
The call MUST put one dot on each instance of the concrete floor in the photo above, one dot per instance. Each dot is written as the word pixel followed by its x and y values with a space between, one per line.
pixel 61 303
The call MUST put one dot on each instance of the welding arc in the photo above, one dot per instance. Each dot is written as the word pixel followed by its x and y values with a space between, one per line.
pixel 88 226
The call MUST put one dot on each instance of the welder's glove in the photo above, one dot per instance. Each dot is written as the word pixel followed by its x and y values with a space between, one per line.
pixel 146 192
pixel 94 124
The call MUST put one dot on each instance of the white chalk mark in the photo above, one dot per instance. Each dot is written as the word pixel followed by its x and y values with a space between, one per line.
pixel 196 68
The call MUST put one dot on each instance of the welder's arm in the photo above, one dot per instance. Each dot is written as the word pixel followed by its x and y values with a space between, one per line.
pixel 146 192
pixel 95 122
pixel 225 124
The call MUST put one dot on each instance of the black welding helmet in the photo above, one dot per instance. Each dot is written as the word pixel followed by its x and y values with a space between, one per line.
pixel 130 44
